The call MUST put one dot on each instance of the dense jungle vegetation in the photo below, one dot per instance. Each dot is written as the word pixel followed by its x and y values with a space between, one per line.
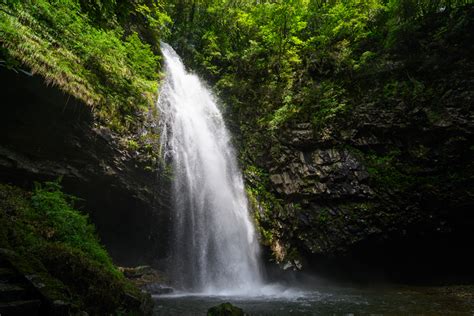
pixel 296 60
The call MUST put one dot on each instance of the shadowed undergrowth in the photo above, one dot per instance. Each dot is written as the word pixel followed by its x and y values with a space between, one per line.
pixel 60 243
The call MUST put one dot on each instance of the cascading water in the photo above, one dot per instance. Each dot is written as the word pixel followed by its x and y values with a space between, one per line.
pixel 215 246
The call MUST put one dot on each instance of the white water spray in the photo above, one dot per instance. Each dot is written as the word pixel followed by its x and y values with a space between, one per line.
pixel 215 246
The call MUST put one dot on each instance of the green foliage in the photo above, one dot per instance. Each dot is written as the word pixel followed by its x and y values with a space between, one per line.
pixel 43 228
pixel 225 309
pixel 263 53
pixel 86 49
pixel 47 217
pixel 90 282
pixel 277 62
pixel 263 203
pixel 283 114
pixel 61 223
pixel 387 172
pixel 323 217
pixel 330 102
pixel 401 16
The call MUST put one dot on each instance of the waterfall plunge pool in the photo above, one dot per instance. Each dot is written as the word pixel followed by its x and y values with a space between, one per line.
pixel 379 300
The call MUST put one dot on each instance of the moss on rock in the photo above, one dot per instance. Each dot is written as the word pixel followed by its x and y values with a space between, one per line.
pixel 53 245
pixel 225 309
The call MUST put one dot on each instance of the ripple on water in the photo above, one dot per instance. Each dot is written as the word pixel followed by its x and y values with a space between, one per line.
pixel 278 300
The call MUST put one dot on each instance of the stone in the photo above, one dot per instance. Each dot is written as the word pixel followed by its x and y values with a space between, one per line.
pixel 157 289
pixel 276 179
pixel 225 309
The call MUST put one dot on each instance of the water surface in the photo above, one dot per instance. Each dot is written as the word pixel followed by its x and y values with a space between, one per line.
pixel 332 301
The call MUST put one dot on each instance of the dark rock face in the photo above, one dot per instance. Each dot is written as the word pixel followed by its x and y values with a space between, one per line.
pixel 385 194
pixel 401 199
pixel 225 309
pixel 388 186
pixel 157 289
pixel 321 172
pixel 45 134
pixel 24 291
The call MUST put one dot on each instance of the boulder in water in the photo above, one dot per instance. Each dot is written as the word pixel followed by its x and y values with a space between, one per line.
pixel 225 309
pixel 157 289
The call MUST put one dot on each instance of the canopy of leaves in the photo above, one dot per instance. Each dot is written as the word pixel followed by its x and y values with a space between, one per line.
pixel 282 60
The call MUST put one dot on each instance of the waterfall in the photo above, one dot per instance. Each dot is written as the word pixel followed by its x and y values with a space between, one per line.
pixel 215 249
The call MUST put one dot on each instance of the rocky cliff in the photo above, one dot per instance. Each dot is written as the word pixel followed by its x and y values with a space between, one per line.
pixel 386 186
pixel 47 134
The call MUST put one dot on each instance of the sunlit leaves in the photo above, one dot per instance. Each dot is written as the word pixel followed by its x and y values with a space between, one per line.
pixel 265 53
pixel 103 52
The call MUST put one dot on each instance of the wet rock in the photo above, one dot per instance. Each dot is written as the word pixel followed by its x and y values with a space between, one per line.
pixel 148 279
pixel 137 272
pixel 157 289
pixel 225 309
pixel 322 171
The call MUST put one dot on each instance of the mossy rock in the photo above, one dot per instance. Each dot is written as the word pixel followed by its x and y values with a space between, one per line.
pixel 52 291
pixel 225 309
pixel 59 258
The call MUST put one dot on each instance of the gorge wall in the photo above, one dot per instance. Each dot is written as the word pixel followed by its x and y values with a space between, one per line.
pixel 389 187
pixel 47 134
